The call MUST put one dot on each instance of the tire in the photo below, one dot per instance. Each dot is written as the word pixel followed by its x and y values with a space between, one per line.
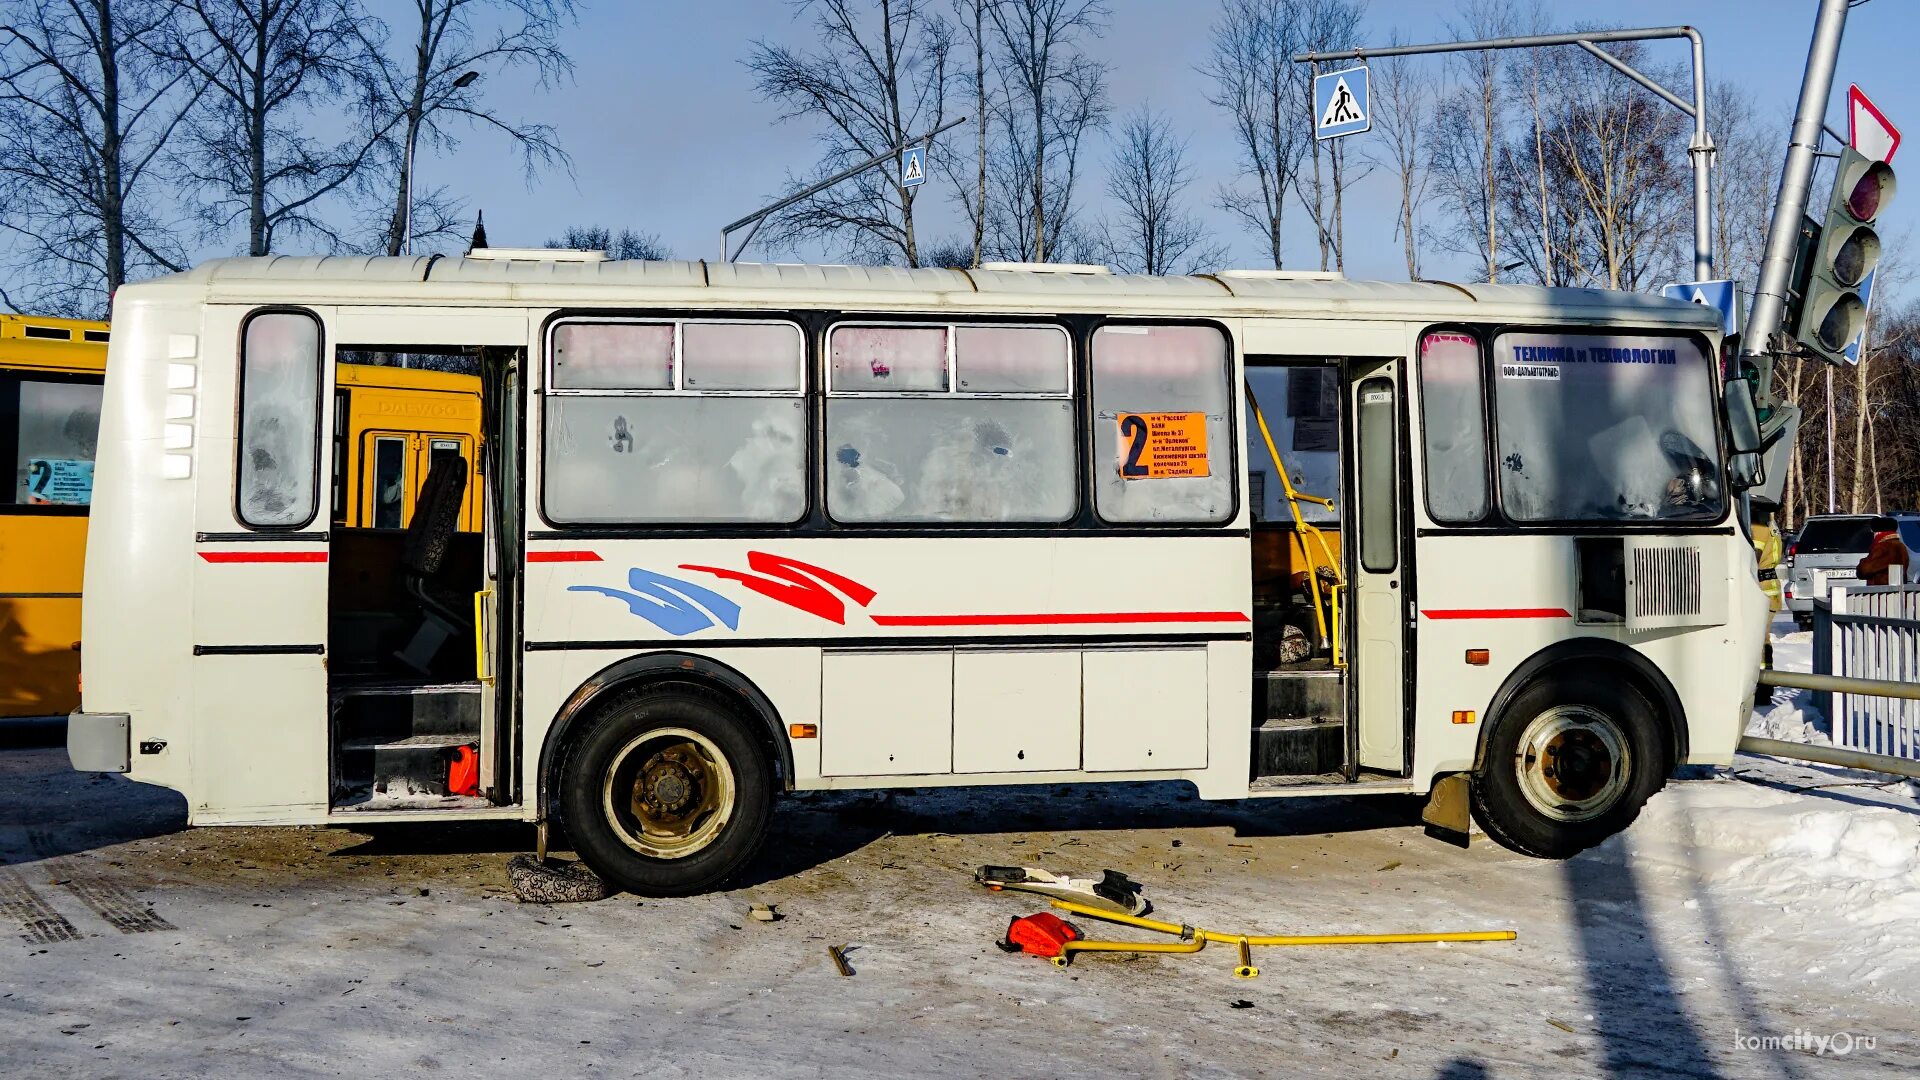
pixel 711 784
pixel 1606 731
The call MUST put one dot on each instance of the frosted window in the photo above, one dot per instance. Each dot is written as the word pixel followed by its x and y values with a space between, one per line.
pixel 954 459
pixel 1147 369
pixel 1613 428
pixel 1010 359
pixel 279 420
pixel 890 358
pixel 1453 427
pixel 56 425
pixel 650 459
pixel 742 356
pixel 613 356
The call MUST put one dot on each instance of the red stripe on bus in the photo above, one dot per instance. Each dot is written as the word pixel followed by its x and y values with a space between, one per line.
pixel 1499 613
pixel 264 556
pixel 563 556
pixel 1074 618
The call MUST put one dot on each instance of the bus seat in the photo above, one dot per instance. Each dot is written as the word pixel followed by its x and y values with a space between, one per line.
pixel 436 517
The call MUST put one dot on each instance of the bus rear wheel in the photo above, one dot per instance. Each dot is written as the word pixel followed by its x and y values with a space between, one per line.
pixel 668 792
pixel 1569 763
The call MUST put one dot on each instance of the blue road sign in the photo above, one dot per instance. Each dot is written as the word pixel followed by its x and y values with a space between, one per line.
pixel 1340 103
pixel 913 166
pixel 1722 296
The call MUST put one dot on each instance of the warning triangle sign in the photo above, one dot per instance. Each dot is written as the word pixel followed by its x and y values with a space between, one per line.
pixel 1342 107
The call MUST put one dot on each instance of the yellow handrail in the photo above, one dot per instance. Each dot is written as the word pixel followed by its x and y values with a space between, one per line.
pixel 480 636
pixel 1323 611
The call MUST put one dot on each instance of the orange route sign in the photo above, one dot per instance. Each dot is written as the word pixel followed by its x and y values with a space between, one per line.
pixel 1162 445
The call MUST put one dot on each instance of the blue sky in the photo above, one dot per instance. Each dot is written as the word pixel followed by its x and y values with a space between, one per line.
pixel 668 136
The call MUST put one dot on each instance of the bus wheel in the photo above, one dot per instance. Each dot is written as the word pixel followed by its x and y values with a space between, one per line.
pixel 668 792
pixel 1568 764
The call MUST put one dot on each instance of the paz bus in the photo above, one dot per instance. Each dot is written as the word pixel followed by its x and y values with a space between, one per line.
pixel 754 529
pixel 50 377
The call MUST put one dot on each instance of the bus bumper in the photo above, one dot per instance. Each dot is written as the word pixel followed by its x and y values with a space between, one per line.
pixel 100 742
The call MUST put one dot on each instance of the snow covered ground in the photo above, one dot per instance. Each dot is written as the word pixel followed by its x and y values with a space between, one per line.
pixel 1773 901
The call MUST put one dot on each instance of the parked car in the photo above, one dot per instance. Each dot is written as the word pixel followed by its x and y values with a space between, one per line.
pixel 1827 550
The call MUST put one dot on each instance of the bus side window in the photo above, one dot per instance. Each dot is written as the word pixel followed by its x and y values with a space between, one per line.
pixel 277 473
pixel 390 490
pixel 1154 385
pixel 53 422
pixel 1453 425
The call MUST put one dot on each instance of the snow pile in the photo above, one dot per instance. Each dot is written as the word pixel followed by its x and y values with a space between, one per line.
pixel 1791 717
pixel 1834 886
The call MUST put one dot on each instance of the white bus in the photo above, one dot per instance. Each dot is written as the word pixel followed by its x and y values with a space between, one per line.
pixel 750 529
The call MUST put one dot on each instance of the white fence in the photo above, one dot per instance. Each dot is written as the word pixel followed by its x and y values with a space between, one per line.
pixel 1872 632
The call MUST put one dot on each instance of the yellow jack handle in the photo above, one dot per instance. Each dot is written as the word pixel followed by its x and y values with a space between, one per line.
pixel 1326 613
pixel 1193 939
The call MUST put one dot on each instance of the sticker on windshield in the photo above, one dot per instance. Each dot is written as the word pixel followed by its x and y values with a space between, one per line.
pixel 1160 445
pixel 1530 371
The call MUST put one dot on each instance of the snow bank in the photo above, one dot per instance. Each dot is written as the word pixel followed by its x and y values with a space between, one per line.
pixel 1833 885
pixel 1791 718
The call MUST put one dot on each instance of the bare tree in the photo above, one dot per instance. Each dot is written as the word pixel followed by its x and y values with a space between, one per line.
pixel 1256 81
pixel 1401 104
pixel 1745 168
pixel 1468 131
pixel 1148 179
pixel 1327 25
pixel 87 116
pixel 877 78
pixel 625 244
pixel 968 174
pixel 434 79
pixel 1053 93
pixel 269 68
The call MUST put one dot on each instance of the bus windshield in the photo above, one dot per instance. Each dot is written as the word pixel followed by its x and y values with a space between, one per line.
pixel 1610 427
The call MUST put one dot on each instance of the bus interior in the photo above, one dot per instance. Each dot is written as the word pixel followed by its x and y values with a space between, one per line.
pixel 409 712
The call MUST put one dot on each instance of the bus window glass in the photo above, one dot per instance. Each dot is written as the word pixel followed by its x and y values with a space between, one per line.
pixel 389 482
pixel 1167 386
pixel 648 459
pixel 1606 428
pixel 952 459
pixel 886 359
pixel 1011 359
pixel 613 356
pixel 55 425
pixel 742 356
pixel 279 420
pixel 1379 529
pixel 1453 427
pixel 1302 408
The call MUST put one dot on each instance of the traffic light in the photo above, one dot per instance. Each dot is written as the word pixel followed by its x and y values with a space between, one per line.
pixel 1843 254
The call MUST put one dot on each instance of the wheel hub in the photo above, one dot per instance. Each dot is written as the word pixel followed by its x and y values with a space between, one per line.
pixel 668 787
pixel 669 792
pixel 1573 763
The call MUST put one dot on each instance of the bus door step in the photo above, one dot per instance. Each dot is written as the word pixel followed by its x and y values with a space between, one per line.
pixel 1299 747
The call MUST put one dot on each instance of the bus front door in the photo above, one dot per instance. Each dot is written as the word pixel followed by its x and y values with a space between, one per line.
pixel 1379 567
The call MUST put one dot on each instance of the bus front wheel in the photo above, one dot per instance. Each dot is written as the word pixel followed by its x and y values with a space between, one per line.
pixel 668 792
pixel 1569 763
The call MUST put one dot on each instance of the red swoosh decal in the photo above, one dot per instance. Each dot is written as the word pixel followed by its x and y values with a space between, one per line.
pixel 563 556
pixel 795 584
pixel 264 556
pixel 1498 613
pixel 1070 618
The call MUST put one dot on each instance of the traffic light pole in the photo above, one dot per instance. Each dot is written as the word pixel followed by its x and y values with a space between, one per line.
pixel 1700 149
pixel 1796 181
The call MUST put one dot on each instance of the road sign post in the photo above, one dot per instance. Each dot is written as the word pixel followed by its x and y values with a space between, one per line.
pixel 1340 103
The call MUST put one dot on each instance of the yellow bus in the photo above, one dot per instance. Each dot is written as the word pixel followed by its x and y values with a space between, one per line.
pixel 51 371
pixel 390 425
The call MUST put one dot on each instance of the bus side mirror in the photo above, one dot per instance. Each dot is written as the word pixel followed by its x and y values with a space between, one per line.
pixel 1744 471
pixel 1743 420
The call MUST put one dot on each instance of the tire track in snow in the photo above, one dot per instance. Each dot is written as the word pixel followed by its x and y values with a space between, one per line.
pixel 104 897
pixel 39 923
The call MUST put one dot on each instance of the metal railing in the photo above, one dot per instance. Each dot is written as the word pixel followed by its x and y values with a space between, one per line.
pixel 1872 633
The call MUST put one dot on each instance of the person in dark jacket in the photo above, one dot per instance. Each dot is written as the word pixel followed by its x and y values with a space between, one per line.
pixel 1887 551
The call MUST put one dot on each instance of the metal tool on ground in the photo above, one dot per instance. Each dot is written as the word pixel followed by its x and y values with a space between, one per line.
pixel 1194 938
pixel 838 954
pixel 1112 890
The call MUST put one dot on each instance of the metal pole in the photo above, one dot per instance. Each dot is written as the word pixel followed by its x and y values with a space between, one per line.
pixel 1830 486
pixel 1796 179
pixel 766 211
pixel 406 229
pixel 1700 149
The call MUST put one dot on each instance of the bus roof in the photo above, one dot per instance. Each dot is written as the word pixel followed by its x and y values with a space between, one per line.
pixel 576 282
pixel 45 343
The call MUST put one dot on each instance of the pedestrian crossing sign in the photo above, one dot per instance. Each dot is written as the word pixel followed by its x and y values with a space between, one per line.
pixel 913 166
pixel 1340 103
